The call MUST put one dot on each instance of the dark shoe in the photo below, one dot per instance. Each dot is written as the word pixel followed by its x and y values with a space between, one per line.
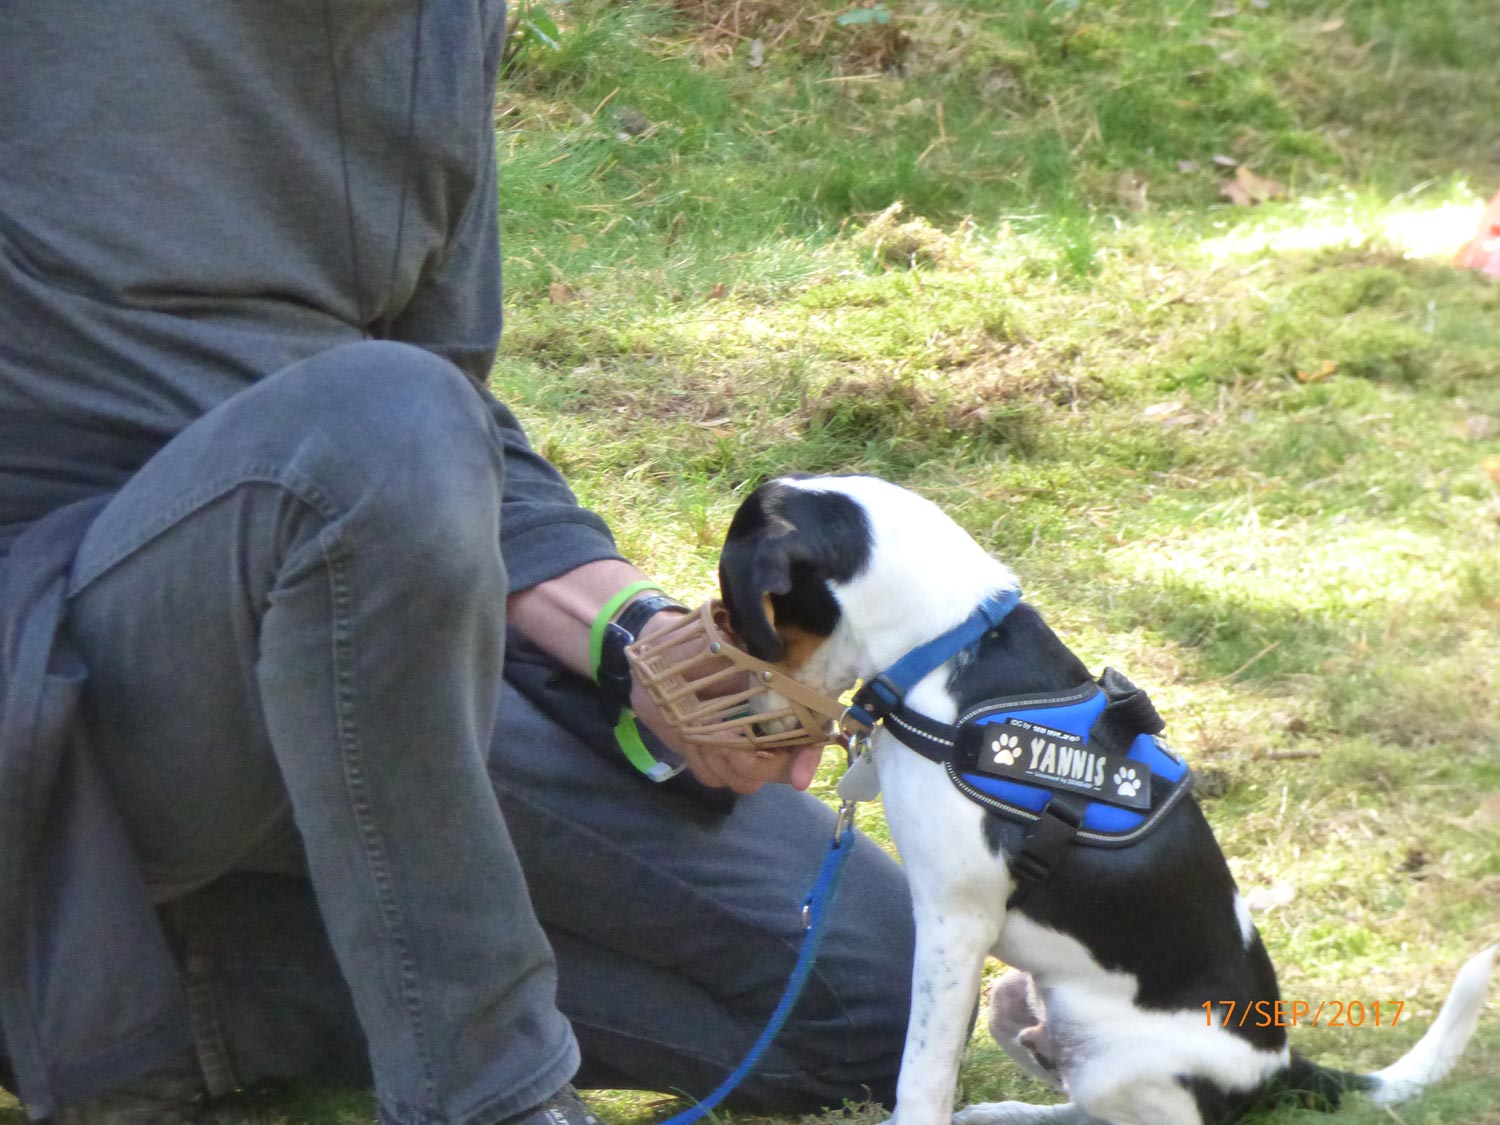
pixel 563 1108
pixel 173 1095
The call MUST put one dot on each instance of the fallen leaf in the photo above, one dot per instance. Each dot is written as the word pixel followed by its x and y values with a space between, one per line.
pixel 561 294
pixel 1328 368
pixel 1262 899
pixel 877 14
pixel 1329 26
pixel 757 53
pixel 1156 410
pixel 1159 410
pixel 718 291
pixel 1235 194
pixel 1247 189
pixel 1489 809
pixel 1491 465
pixel 1225 161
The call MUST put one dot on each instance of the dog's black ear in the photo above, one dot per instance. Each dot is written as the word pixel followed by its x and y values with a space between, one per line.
pixel 783 547
pixel 756 563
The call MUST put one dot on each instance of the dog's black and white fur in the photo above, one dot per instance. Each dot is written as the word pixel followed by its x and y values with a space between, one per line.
pixel 1115 955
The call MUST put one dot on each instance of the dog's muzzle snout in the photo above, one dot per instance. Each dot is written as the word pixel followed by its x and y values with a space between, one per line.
pixel 712 704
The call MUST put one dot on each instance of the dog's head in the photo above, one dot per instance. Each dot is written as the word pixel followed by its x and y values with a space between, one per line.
pixel 836 577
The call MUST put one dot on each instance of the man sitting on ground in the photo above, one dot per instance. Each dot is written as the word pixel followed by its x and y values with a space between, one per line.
pixel 302 767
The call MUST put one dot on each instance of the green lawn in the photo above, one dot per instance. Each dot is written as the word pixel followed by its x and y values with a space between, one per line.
pixel 1250 455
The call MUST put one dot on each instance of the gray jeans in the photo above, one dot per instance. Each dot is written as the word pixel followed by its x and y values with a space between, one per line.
pixel 294 621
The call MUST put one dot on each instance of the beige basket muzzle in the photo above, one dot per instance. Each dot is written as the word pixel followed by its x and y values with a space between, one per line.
pixel 708 700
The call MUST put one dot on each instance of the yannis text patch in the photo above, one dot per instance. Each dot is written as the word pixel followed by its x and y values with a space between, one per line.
pixel 1029 752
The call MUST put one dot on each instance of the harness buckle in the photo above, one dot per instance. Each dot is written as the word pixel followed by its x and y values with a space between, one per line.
pixel 613 673
pixel 875 699
pixel 854 726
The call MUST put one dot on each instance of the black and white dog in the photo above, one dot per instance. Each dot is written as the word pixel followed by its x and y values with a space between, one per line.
pixel 1116 949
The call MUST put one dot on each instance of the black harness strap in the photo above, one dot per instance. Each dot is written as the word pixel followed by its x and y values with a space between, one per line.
pixel 933 740
pixel 1043 847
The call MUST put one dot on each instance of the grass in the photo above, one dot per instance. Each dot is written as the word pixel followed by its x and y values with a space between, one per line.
pixel 1249 455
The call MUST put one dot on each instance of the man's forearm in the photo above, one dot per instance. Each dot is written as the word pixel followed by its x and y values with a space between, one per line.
pixel 556 615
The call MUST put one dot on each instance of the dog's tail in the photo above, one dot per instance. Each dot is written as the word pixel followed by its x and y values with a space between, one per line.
pixel 1438 1050
pixel 1433 1056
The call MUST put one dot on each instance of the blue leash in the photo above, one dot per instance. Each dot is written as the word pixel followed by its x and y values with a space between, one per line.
pixel 877 698
pixel 814 910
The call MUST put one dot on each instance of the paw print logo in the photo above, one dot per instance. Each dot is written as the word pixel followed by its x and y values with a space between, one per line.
pixel 1006 748
pixel 1127 784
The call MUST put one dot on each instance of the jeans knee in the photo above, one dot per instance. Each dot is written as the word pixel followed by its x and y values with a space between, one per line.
pixel 386 399
pixel 392 429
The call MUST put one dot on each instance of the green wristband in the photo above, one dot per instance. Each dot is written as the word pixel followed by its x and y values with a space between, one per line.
pixel 627 734
pixel 628 738
pixel 606 615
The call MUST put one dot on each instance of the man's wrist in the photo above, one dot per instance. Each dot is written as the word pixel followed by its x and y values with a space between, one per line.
pixel 621 622
pixel 599 630
pixel 623 619
pixel 635 615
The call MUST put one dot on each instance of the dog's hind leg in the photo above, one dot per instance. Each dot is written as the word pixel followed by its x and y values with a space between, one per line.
pixel 951 945
pixel 1018 1025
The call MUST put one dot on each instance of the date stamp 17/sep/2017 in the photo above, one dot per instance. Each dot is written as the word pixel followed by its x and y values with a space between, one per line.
pixel 1301 1013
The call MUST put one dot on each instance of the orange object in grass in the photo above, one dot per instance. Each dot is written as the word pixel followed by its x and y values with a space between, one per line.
pixel 1482 252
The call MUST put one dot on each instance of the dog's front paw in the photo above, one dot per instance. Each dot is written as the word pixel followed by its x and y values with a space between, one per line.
pixel 1012 1113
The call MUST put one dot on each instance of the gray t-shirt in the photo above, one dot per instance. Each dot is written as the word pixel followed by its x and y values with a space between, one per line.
pixel 195 195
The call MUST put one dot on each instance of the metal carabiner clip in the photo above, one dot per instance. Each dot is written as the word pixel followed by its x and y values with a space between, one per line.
pixel 845 820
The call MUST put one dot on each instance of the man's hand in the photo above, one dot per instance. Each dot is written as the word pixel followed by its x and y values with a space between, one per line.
pixel 744 771
pixel 556 615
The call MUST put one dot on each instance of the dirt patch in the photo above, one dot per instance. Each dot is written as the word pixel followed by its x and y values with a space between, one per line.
pixel 892 409
pixel 807 30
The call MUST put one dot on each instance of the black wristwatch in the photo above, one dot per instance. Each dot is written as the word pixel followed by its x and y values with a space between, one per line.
pixel 614 670
pixel 613 677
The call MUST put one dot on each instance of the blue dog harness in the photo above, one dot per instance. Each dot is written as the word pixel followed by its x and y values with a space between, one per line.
pixel 1083 766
